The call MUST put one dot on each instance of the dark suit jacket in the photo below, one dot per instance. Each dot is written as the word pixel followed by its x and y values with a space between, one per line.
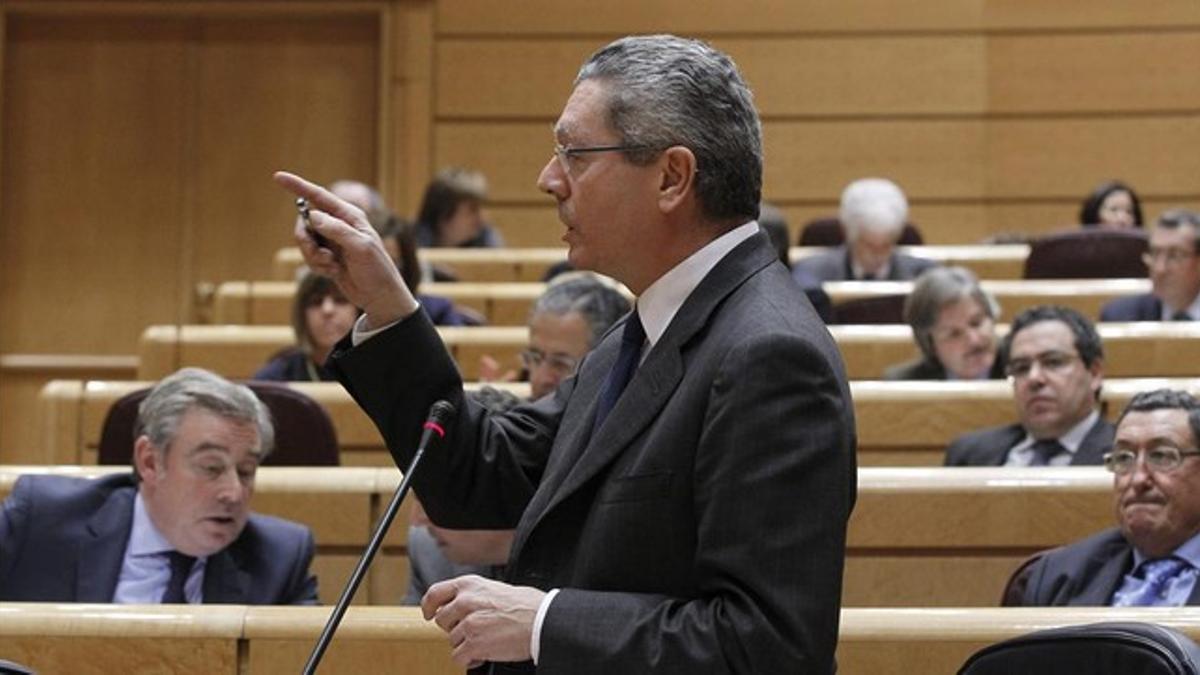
pixel 63 540
pixel 1144 307
pixel 1085 573
pixel 989 447
pixel 702 528
pixel 835 266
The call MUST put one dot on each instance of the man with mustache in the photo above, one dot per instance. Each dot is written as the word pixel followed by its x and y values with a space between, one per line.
pixel 1055 360
pixel 178 530
pixel 1152 556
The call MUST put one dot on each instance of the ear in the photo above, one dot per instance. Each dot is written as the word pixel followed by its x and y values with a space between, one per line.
pixel 147 460
pixel 678 177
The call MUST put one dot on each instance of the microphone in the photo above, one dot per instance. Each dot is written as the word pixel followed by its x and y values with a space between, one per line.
pixel 440 416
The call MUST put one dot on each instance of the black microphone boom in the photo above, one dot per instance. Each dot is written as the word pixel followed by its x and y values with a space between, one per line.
pixel 440 416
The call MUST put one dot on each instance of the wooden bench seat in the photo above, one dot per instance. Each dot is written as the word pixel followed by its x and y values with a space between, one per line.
pixel 995 261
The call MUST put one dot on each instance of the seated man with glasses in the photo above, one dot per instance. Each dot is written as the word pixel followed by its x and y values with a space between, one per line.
pixel 567 320
pixel 1055 363
pixel 1174 268
pixel 1152 556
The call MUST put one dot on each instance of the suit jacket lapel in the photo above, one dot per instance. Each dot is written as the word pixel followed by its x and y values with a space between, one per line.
pixel 225 581
pixel 102 549
pixel 651 386
pixel 1098 441
pixel 1113 565
pixel 1013 434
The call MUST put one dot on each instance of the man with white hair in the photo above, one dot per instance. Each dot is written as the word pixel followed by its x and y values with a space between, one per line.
pixel 873 214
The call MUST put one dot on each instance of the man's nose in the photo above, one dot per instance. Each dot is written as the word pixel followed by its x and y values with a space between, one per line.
pixel 231 490
pixel 552 180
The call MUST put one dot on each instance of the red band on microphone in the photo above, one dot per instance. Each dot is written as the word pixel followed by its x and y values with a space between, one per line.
pixel 436 427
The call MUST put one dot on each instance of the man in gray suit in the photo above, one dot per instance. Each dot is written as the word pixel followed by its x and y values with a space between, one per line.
pixel 680 504
pixel 1152 557
pixel 1055 360
pixel 873 213
pixel 178 530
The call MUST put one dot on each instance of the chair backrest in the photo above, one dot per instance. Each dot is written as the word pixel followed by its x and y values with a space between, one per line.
pixel 10 668
pixel 1014 589
pixel 1088 254
pixel 879 309
pixel 828 232
pixel 1099 649
pixel 304 433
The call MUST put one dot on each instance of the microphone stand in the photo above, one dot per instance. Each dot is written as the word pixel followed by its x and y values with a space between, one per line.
pixel 385 522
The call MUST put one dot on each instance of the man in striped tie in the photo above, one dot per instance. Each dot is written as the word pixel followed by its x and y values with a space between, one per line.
pixel 1153 555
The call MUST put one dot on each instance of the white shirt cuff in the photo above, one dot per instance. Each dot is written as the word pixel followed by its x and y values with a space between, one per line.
pixel 359 336
pixel 535 639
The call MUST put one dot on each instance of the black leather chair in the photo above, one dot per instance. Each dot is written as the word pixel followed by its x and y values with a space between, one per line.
pixel 1088 254
pixel 304 433
pixel 828 232
pixel 1014 590
pixel 881 309
pixel 10 668
pixel 1113 648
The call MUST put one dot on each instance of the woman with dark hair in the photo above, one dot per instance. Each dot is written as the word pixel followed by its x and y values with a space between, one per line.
pixel 400 240
pixel 451 212
pixel 1113 205
pixel 321 316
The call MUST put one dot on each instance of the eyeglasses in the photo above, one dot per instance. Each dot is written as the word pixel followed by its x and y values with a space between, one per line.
pixel 566 154
pixel 1169 256
pixel 1163 459
pixel 560 363
pixel 1049 361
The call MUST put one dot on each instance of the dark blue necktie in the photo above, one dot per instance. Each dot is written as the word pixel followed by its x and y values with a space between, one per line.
pixel 627 362
pixel 1046 450
pixel 1181 316
pixel 181 565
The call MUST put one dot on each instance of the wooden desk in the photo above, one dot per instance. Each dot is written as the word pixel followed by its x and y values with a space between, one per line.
pixel 996 261
pixel 71 417
pixel 238 351
pixel 234 639
pixel 1142 349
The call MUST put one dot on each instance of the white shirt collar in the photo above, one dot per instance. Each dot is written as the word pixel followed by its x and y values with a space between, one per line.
pixel 1193 310
pixel 658 304
pixel 1070 440
pixel 144 537
pixel 882 274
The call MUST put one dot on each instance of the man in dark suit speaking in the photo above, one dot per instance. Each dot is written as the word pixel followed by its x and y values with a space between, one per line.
pixel 179 530
pixel 680 504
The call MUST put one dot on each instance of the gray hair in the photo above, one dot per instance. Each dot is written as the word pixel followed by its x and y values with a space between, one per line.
pixel 933 290
pixel 160 412
pixel 664 91
pixel 595 298
pixel 875 205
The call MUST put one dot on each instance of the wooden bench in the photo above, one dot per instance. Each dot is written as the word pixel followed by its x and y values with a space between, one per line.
pixel 71 417
pixel 238 351
pixel 899 423
pixel 919 537
pixel 508 303
pixel 243 640
pixel 996 261
pixel 222 639
pixel 1148 349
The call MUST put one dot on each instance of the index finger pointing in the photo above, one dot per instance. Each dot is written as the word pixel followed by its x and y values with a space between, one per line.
pixel 317 196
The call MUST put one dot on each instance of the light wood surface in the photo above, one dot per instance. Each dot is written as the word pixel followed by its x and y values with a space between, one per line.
pixel 997 261
pixel 508 303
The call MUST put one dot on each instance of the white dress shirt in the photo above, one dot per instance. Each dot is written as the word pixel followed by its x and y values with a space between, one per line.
pixel 146 569
pixel 1022 454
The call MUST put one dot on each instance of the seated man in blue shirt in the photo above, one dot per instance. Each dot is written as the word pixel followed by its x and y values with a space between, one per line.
pixel 178 529
pixel 1152 556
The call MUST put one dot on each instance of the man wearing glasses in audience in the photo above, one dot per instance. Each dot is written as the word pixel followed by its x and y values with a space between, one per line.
pixel 1174 272
pixel 1055 362
pixel 1152 556
pixel 568 319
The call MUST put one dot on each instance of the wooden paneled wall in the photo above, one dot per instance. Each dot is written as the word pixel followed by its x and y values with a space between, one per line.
pixel 137 136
